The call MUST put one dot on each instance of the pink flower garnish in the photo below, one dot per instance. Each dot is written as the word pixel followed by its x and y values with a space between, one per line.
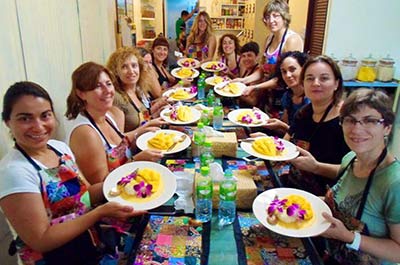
pixel 279 144
pixel 125 180
pixel 247 119
pixel 193 90
pixel 276 205
pixel 186 64
pixel 174 114
pixel 143 190
pixel 295 210
pixel 257 114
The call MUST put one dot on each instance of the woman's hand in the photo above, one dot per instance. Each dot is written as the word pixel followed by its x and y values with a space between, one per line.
pixel 337 230
pixel 148 155
pixel 156 122
pixel 305 161
pixel 117 210
pixel 157 105
pixel 248 90
pixel 276 124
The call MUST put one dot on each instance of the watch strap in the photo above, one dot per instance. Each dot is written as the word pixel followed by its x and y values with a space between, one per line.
pixel 355 245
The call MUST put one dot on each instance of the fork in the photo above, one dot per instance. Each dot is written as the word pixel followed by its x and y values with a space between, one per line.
pixel 180 140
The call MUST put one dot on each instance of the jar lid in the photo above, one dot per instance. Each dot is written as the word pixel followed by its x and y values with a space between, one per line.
pixel 369 60
pixel 350 60
pixel 387 61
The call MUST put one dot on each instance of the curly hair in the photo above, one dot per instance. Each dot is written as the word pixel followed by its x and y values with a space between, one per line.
pixel 115 63
pixel 232 37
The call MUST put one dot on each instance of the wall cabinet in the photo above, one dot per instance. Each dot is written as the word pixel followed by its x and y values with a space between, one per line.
pixel 148 19
pixel 229 16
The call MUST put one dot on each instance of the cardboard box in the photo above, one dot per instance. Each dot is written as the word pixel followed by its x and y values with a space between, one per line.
pixel 246 190
pixel 226 145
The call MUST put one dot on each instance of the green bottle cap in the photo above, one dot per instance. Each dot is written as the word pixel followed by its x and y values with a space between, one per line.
pixel 207 143
pixel 205 171
pixel 200 125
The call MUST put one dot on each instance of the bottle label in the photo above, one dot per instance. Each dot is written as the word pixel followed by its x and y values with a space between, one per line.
pixel 204 189
pixel 227 191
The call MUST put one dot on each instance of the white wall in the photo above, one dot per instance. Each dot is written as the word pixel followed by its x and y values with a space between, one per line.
pixel 362 28
pixel 45 40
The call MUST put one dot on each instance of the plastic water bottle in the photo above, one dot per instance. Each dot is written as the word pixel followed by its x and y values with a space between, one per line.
pixel 218 115
pixel 198 139
pixel 227 199
pixel 204 188
pixel 210 98
pixel 206 156
pixel 205 118
pixel 201 86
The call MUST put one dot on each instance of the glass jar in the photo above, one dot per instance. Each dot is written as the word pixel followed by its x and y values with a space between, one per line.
pixel 367 71
pixel 385 69
pixel 348 67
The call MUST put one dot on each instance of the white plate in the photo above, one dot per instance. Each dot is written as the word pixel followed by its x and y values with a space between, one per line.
pixel 211 80
pixel 165 115
pixel 169 93
pixel 232 116
pixel 220 66
pixel 318 226
pixel 183 60
pixel 142 144
pixel 219 89
pixel 174 72
pixel 290 148
pixel 167 177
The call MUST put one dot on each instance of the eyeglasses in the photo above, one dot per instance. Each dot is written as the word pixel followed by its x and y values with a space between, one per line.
pixel 269 17
pixel 366 122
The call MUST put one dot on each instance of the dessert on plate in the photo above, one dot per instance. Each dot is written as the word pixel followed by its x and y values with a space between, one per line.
pixel 139 185
pixel 181 113
pixel 185 72
pixel 292 211
pixel 180 94
pixel 188 62
pixel 270 146
pixel 252 116
pixel 162 140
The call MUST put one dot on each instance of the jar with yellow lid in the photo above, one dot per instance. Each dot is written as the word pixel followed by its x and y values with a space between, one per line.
pixel 385 69
pixel 367 71
pixel 348 67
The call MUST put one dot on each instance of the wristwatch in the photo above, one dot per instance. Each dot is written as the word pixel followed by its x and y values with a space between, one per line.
pixel 355 245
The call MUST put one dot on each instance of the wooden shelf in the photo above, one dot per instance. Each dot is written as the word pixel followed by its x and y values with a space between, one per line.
pixel 393 84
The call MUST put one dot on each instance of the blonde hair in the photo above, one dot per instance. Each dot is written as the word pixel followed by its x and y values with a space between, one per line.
pixel 115 62
pixel 195 29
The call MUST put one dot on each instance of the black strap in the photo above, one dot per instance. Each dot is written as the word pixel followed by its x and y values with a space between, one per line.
pixel 369 181
pixel 101 133
pixel 280 45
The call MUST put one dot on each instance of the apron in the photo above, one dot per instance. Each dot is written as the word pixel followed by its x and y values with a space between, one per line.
pixel 65 197
pixel 273 96
pixel 303 179
pixel 338 253
pixel 118 155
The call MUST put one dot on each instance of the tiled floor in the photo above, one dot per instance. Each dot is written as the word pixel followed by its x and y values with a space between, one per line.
pixel 5 239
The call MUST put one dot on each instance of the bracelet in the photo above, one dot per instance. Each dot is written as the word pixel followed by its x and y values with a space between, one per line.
pixel 355 245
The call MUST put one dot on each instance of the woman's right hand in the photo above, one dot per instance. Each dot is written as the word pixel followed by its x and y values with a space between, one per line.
pixel 276 124
pixel 148 155
pixel 257 134
pixel 117 210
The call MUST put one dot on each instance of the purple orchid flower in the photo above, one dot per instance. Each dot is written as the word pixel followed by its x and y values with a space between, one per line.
pixel 125 180
pixel 279 144
pixel 193 89
pixel 143 190
pixel 295 210
pixel 247 119
pixel 276 205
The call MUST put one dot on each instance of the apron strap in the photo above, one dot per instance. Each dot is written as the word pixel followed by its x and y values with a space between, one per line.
pixel 98 129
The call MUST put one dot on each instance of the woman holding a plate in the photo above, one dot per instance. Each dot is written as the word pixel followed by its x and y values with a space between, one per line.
pixel 365 201
pixel 134 89
pixel 277 19
pixel 201 42
pixel 95 130
pixel 42 194
pixel 229 54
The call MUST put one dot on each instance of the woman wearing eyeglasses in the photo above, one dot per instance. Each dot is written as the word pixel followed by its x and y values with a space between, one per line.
pixel 365 201
pixel 276 17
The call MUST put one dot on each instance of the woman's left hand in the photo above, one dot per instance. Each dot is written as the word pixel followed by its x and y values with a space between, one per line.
pixel 337 229
pixel 156 122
